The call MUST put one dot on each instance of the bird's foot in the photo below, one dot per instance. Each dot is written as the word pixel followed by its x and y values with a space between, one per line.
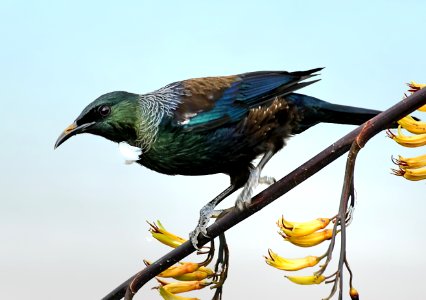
pixel 244 199
pixel 206 213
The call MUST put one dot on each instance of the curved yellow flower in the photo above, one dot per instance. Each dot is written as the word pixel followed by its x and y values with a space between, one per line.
pixel 200 274
pixel 162 235
pixel 294 264
pixel 412 125
pixel 410 162
pixel 182 286
pixel 310 240
pixel 169 296
pixel 183 268
pixel 410 141
pixel 301 228
pixel 411 174
pixel 306 280
pixel 178 270
pixel 414 87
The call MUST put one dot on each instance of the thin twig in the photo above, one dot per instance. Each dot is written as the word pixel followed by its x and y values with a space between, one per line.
pixel 347 191
pixel 223 263
pixel 324 158
pixel 351 275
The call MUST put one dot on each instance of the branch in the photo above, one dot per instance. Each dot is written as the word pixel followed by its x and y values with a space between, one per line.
pixel 360 135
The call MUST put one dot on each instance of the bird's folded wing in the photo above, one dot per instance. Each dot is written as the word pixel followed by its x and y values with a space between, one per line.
pixel 216 101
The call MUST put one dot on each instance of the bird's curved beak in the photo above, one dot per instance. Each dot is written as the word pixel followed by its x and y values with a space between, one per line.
pixel 71 130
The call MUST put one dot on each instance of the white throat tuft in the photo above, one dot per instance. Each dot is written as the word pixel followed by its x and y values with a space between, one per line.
pixel 130 153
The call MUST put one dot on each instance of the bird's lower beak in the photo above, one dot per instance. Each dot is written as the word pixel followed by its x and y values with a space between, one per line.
pixel 71 130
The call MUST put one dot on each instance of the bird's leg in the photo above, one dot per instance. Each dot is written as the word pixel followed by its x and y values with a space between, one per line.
pixel 268 180
pixel 206 213
pixel 244 199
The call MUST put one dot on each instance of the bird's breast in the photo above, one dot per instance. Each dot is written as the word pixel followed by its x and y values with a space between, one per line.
pixel 221 149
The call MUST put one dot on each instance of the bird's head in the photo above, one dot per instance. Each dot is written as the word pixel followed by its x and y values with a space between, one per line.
pixel 113 116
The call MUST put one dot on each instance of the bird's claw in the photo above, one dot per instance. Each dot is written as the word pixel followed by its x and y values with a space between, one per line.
pixel 193 236
pixel 205 214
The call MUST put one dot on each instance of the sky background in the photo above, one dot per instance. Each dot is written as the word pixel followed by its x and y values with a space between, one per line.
pixel 72 221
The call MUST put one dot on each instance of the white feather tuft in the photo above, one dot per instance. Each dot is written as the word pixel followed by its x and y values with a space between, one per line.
pixel 130 153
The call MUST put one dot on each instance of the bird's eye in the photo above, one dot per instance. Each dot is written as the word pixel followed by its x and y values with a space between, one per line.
pixel 104 110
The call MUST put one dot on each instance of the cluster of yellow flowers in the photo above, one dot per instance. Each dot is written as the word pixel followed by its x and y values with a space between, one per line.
pixel 189 276
pixel 304 234
pixel 411 168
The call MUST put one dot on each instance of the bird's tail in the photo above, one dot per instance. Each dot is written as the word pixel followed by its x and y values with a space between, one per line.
pixel 314 111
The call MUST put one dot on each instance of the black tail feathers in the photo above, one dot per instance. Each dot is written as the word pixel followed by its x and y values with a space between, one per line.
pixel 314 111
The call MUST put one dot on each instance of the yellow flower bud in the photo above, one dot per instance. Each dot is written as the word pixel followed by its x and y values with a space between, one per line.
pixel 311 239
pixel 408 141
pixel 182 286
pixel 162 235
pixel 286 264
pixel 413 126
pixel 302 228
pixel 411 163
pixel 354 294
pixel 200 274
pixel 414 86
pixel 181 269
pixel 306 280
pixel 411 174
pixel 169 296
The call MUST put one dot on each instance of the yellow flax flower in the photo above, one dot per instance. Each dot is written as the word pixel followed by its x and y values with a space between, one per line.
pixel 169 296
pixel 307 280
pixel 178 270
pixel 411 174
pixel 162 235
pixel 301 228
pixel 183 286
pixel 414 87
pixel 412 125
pixel 295 264
pixel 310 240
pixel 183 268
pixel 410 141
pixel 410 162
pixel 200 274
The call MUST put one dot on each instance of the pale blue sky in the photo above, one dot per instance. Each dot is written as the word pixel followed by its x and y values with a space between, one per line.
pixel 72 221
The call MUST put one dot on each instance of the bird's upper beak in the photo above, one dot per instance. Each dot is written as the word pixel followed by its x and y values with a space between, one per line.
pixel 71 130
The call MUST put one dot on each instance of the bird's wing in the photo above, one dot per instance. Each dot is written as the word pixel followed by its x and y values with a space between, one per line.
pixel 216 101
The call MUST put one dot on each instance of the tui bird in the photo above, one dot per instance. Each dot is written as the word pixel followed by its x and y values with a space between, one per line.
pixel 213 125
